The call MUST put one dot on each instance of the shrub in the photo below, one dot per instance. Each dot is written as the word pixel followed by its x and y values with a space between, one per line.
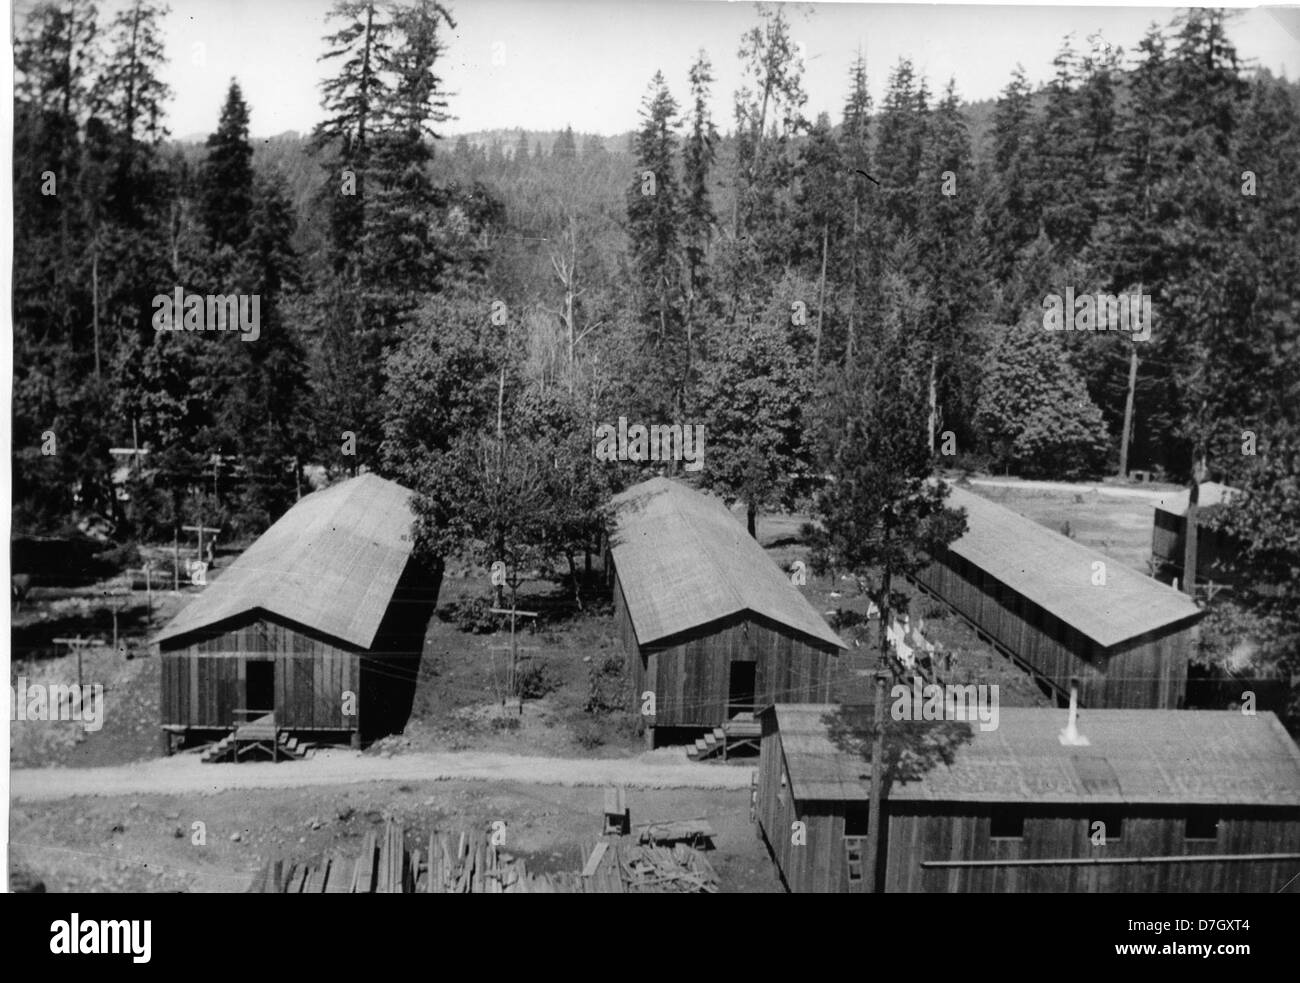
pixel 589 734
pixel 934 611
pixel 607 684
pixel 470 614
pixel 537 679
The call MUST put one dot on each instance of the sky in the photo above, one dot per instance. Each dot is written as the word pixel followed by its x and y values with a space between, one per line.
pixel 546 64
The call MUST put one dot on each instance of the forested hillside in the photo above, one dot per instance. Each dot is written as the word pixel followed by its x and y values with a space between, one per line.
pixel 458 314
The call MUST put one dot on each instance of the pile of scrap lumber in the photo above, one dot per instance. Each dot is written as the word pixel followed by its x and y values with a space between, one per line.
pixel 693 832
pixel 470 863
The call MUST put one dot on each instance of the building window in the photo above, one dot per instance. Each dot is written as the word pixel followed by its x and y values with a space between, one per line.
pixel 1202 825
pixel 1007 823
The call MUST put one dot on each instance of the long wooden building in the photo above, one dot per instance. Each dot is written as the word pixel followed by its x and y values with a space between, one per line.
pixel 1188 801
pixel 711 626
pixel 320 623
pixel 1070 615
pixel 1217 553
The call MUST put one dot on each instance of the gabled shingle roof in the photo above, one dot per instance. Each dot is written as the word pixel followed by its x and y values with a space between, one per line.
pixel 331 563
pixel 683 562
pixel 1056 573
pixel 1185 757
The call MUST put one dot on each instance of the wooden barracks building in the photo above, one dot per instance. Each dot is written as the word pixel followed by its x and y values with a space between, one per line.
pixel 327 602
pixel 1034 593
pixel 1192 801
pixel 1217 553
pixel 710 624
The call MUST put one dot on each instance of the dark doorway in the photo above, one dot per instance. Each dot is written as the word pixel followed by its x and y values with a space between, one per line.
pixel 743 675
pixel 259 691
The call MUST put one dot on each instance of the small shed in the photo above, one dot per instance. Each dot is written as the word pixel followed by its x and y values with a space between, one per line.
pixel 710 625
pixel 1188 801
pixel 320 622
pixel 1217 552
pixel 1067 613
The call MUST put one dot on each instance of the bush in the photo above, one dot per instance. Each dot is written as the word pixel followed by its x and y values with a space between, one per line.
pixel 589 734
pixel 934 611
pixel 537 679
pixel 607 684
pixel 470 614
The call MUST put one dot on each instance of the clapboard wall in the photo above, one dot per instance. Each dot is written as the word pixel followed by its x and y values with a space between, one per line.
pixel 1146 672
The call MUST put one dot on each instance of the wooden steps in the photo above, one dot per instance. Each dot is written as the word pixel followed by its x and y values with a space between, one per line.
pixel 219 751
pixel 255 748
pixel 742 730
pixel 708 745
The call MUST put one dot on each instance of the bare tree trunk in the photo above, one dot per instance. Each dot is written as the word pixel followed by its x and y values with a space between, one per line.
pixel 94 302
pixel 821 301
pixel 853 288
pixel 934 402
pixel 573 576
pixel 1199 473
pixel 871 858
pixel 1128 411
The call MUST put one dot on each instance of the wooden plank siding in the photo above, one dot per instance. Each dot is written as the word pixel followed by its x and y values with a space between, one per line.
pixel 205 673
pixel 918 832
pixel 1218 553
pixel 690 673
pixel 961 831
pixel 1146 672
pixel 820 864
pixel 205 681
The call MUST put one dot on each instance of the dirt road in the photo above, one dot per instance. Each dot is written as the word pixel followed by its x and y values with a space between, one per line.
pixel 1082 488
pixel 185 773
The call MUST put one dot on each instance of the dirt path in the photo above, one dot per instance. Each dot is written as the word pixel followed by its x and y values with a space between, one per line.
pixel 185 773
pixel 1114 491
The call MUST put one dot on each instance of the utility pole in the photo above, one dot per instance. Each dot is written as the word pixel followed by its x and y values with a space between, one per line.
pixel 201 529
pixel 76 644
pixel 512 667
pixel 147 572
pixel 117 596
